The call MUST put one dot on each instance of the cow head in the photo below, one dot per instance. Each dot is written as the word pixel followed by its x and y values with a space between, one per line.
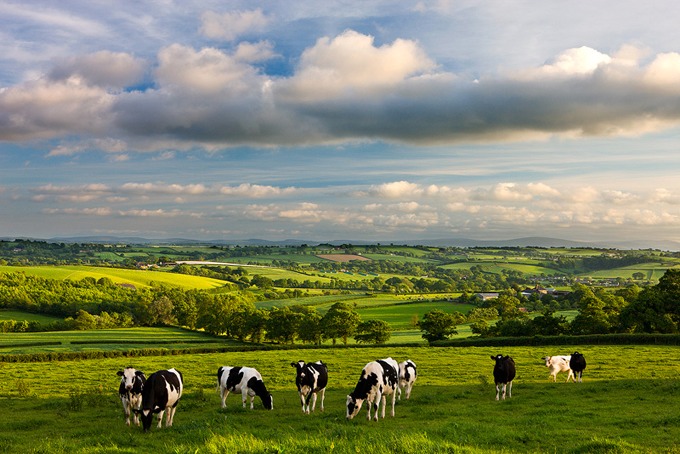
pixel 268 401
pixel 299 367
pixel 548 360
pixel 353 406
pixel 127 377
pixel 147 418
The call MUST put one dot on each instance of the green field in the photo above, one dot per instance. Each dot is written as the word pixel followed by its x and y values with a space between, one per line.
pixel 72 406
pixel 138 278
pixel 6 314
pixel 108 339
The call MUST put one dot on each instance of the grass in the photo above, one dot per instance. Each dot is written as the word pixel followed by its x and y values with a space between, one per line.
pixel 6 314
pixel 452 408
pixel 138 278
pixel 108 339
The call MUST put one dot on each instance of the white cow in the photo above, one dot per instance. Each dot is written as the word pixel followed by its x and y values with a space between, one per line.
pixel 407 377
pixel 378 379
pixel 557 364
pixel 245 380
pixel 130 392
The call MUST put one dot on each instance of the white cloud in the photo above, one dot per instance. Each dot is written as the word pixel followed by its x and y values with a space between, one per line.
pixel 228 26
pixel 103 68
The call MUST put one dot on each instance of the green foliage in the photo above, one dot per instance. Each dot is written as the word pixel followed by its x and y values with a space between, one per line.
pixel 438 325
pixel 341 321
pixel 373 332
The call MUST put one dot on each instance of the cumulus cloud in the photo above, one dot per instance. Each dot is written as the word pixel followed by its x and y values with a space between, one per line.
pixel 344 88
pixel 228 26
pixel 104 68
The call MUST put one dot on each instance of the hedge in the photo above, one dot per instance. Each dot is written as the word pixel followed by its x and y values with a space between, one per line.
pixel 589 339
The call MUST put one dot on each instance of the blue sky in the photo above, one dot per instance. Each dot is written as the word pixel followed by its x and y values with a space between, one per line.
pixel 363 120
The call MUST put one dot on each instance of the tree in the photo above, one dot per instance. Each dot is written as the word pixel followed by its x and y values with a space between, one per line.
pixel 373 332
pixel 438 325
pixel 340 322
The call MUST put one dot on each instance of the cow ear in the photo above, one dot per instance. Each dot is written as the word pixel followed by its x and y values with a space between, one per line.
pixel 293 364
pixel 493 357
pixel 119 373
pixel 139 373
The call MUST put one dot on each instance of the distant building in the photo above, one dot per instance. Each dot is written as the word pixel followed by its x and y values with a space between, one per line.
pixel 486 295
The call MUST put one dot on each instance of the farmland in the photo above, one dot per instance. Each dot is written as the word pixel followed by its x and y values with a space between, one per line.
pixel 452 408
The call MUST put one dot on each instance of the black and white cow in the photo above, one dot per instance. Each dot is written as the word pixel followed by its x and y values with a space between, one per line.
pixel 578 365
pixel 245 380
pixel 130 392
pixel 407 377
pixel 311 379
pixel 378 379
pixel 503 374
pixel 161 392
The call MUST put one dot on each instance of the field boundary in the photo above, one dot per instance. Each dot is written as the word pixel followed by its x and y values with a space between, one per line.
pixel 592 339
pixel 601 339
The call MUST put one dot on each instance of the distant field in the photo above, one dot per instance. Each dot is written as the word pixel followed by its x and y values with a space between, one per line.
pixel 6 314
pixel 138 278
pixel 343 257
pixel 108 339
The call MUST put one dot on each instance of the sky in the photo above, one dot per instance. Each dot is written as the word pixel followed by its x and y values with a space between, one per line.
pixel 340 120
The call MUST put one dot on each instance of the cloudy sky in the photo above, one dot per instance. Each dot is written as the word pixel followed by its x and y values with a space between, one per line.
pixel 352 119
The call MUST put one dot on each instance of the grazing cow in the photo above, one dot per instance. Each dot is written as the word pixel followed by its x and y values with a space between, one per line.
pixel 503 374
pixel 407 377
pixel 246 380
pixel 161 392
pixel 578 365
pixel 378 379
pixel 310 380
pixel 557 364
pixel 130 392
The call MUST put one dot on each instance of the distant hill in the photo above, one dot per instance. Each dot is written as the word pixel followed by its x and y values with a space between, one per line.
pixel 536 241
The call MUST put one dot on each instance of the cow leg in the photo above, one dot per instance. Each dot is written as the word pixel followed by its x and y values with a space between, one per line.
pixel 399 392
pixel 510 389
pixel 160 418
pixel 504 386
pixel 313 403
pixel 498 390
pixel 302 401
pixel 570 375
pixel 224 394
pixel 126 409
pixel 383 401
pixel 252 402
pixel 170 417
pixel 323 396
pixel 394 400
pixel 408 390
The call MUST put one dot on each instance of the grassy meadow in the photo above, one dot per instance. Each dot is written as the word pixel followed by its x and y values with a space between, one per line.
pixel 108 339
pixel 138 278
pixel 72 406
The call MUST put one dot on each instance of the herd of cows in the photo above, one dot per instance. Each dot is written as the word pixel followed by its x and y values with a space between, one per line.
pixel 160 393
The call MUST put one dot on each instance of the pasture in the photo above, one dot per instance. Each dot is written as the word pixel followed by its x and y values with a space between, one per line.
pixel 138 278
pixel 108 339
pixel 72 406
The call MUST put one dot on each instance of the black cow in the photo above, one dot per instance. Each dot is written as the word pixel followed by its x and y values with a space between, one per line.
pixel 311 379
pixel 161 392
pixel 378 379
pixel 578 365
pixel 503 374
pixel 245 380
pixel 130 392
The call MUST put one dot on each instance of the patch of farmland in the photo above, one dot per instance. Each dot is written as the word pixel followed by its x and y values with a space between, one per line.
pixel 344 258
pixel 108 339
pixel 452 408
pixel 7 314
pixel 138 278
